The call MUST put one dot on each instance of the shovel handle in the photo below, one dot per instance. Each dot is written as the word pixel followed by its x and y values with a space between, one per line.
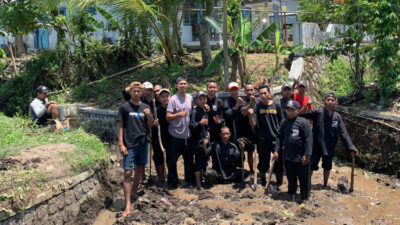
pixel 352 172
pixel 270 176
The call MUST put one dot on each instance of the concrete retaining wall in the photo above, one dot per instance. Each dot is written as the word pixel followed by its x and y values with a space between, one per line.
pixel 60 205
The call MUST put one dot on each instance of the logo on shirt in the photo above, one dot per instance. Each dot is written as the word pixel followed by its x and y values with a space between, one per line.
pixel 295 133
pixel 136 114
pixel 334 123
pixel 270 111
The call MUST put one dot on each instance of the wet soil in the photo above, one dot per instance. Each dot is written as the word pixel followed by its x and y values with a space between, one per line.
pixel 375 200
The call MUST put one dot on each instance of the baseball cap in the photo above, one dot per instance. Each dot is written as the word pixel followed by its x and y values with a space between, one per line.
pixel 147 85
pixel 286 86
pixel 42 89
pixel 233 85
pixel 201 93
pixel 135 84
pixel 330 94
pixel 303 83
pixel 164 90
pixel 179 79
pixel 293 104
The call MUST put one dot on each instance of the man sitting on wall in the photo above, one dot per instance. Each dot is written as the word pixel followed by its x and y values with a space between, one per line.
pixel 41 109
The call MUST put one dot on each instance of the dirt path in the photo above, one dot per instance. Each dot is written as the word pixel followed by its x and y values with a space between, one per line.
pixel 376 200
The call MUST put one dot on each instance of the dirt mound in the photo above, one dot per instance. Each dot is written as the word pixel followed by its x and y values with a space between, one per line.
pixel 30 172
pixel 157 206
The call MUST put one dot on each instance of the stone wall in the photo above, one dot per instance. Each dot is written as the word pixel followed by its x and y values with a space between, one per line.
pixel 63 208
pixel 313 67
pixel 101 122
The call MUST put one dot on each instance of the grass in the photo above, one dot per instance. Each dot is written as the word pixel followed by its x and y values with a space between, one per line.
pixel 19 133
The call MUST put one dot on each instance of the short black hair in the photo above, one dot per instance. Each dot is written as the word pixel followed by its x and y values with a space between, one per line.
pixel 262 86
pixel 249 83
pixel 225 127
pixel 211 81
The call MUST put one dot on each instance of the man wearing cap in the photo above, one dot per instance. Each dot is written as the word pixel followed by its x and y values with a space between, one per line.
pixel 248 132
pixel 232 107
pixel 294 142
pixel 300 96
pixel 178 116
pixel 215 112
pixel 147 91
pixel 199 129
pixel 158 156
pixel 41 109
pixel 266 117
pixel 328 125
pixel 286 93
pixel 134 121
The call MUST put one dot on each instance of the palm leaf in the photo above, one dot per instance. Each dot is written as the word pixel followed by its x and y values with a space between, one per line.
pixel 296 48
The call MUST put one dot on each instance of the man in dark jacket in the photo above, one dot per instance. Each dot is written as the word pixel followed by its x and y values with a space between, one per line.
pixel 232 107
pixel 286 92
pixel 226 158
pixel 328 125
pixel 296 138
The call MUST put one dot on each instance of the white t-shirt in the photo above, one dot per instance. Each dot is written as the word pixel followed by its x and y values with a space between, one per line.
pixel 37 108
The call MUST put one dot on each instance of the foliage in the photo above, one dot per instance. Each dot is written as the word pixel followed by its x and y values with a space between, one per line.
pixel 2 65
pixel 19 16
pixel 316 11
pixel 19 133
pixel 337 77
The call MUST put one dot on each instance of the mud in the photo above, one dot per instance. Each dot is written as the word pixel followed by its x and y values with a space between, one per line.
pixel 370 202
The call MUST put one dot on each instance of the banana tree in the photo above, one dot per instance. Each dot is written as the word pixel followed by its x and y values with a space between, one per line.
pixel 10 48
pixel 241 43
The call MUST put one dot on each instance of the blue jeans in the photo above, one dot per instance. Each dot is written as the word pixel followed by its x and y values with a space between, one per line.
pixel 137 156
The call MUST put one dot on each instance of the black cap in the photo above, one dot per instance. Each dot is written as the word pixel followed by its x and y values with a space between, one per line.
pixel 330 94
pixel 303 83
pixel 286 86
pixel 201 93
pixel 179 79
pixel 42 89
pixel 293 104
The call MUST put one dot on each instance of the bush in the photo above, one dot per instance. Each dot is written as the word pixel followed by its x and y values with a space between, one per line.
pixel 337 77
pixel 61 69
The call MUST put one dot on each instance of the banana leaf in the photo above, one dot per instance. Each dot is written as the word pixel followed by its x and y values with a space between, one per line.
pixel 263 36
pixel 213 24
pixel 243 37
pixel 217 61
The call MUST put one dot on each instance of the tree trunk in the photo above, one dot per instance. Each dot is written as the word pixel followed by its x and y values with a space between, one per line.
pixel 19 43
pixel 225 40
pixel 235 63
pixel 244 77
pixel 205 35
pixel 10 48
pixel 358 75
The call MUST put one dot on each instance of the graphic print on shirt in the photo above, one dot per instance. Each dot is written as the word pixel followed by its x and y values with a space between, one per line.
pixel 335 123
pixel 136 114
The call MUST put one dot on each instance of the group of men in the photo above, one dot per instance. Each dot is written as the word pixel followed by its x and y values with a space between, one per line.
pixel 209 126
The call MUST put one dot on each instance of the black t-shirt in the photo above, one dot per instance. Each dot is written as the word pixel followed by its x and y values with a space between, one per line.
pixel 269 119
pixel 198 131
pixel 247 131
pixel 134 123
pixel 162 120
pixel 231 116
pixel 216 108
pixel 284 102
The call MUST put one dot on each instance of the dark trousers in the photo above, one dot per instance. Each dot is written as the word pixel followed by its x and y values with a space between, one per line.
pixel 264 150
pixel 178 147
pixel 296 170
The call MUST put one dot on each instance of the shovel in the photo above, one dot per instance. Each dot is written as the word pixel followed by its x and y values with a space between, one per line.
pixel 269 177
pixel 352 172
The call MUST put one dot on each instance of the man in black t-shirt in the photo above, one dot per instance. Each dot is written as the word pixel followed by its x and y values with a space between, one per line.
pixel 266 117
pixel 215 112
pixel 232 107
pixel 161 121
pixel 286 93
pixel 134 122
pixel 247 130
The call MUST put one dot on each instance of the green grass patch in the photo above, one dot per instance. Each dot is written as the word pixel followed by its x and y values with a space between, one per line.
pixel 19 133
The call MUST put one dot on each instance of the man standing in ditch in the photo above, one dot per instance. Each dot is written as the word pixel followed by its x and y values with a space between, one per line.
pixel 267 116
pixel 328 125
pixel 134 122
pixel 178 116
pixel 248 131
pixel 215 112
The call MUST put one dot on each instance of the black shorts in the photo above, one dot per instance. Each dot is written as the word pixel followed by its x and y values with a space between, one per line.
pixel 326 161
pixel 43 120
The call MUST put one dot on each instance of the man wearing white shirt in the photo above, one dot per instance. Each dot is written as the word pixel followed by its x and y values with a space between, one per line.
pixel 41 109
